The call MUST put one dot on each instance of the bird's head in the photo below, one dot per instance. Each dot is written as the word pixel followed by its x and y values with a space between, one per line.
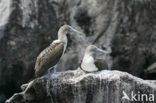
pixel 66 29
pixel 93 50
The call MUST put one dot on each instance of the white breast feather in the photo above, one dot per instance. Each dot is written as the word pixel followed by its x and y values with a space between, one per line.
pixel 58 41
pixel 65 46
pixel 88 64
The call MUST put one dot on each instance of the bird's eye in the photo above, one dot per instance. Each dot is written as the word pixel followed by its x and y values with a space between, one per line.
pixel 68 30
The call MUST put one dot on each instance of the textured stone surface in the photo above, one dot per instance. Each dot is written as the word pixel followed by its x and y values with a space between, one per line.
pixel 133 46
pixel 26 27
pixel 80 87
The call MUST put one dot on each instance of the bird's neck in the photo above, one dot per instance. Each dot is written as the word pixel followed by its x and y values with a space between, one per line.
pixel 88 57
pixel 62 38
pixel 89 54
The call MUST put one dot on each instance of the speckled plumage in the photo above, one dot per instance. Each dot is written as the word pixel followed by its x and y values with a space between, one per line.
pixel 51 55
pixel 48 58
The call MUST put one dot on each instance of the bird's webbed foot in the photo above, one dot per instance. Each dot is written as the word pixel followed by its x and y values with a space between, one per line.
pixel 55 72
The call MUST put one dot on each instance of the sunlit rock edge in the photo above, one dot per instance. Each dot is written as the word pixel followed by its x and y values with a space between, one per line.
pixel 76 86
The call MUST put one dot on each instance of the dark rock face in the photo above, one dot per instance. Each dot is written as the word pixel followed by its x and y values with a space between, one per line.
pixel 79 87
pixel 26 27
pixel 133 46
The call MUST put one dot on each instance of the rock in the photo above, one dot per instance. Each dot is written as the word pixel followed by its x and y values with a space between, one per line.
pixel 133 46
pixel 26 27
pixel 79 87
pixel 2 98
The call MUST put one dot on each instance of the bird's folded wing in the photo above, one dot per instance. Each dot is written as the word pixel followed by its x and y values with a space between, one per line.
pixel 101 64
pixel 49 56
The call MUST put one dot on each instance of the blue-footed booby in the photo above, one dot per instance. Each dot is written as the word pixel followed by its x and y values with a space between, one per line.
pixel 90 63
pixel 49 57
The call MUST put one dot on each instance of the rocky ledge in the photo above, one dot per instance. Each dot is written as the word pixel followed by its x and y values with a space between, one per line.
pixel 79 87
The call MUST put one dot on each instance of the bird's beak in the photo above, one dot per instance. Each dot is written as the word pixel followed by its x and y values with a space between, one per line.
pixel 74 30
pixel 102 51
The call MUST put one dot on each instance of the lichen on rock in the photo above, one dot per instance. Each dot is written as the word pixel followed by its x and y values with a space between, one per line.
pixel 76 86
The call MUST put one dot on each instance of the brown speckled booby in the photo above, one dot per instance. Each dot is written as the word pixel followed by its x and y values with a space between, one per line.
pixel 49 57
